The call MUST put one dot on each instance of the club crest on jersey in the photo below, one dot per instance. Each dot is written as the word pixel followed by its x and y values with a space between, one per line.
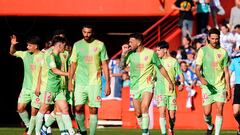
pixel 95 49
pixel 146 58
pixel 174 101
pixel 219 55
pixel 99 98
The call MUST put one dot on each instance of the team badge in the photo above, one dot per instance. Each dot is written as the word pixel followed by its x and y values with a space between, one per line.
pixel 99 98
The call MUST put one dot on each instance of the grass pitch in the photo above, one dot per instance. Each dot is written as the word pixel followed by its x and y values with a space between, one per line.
pixel 117 131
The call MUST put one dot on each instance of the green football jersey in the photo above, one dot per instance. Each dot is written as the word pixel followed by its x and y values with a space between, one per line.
pixel 213 62
pixel 142 68
pixel 173 69
pixel 88 57
pixel 32 64
pixel 54 80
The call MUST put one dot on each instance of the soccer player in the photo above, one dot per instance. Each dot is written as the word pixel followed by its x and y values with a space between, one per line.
pixel 235 67
pixel 88 55
pixel 165 98
pixel 52 86
pixel 56 113
pixel 213 61
pixel 32 62
pixel 141 61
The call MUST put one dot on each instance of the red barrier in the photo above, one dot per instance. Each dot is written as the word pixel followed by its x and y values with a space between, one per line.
pixel 186 119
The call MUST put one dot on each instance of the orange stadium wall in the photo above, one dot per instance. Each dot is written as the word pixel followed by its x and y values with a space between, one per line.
pixel 185 118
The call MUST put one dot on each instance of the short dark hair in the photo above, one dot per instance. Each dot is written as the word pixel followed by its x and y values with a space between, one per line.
pixel 183 62
pixel 59 32
pixel 88 26
pixel 237 26
pixel 214 31
pixel 57 39
pixel 138 36
pixel 163 44
pixel 34 40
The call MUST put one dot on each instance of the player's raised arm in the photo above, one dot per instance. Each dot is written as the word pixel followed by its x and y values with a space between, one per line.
pixel 125 51
pixel 13 43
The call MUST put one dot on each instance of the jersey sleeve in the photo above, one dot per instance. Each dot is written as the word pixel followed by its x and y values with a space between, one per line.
pixel 199 59
pixel 155 60
pixel 20 54
pixel 51 62
pixel 103 53
pixel 225 60
pixel 177 68
pixel 73 57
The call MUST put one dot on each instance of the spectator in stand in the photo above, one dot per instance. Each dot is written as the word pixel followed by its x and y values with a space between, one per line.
pixel 237 37
pixel 190 80
pixel 126 79
pixel 186 15
pixel 197 44
pixel 225 39
pixel 191 62
pixel 235 15
pixel 186 46
pixel 116 73
pixel 216 9
pixel 203 11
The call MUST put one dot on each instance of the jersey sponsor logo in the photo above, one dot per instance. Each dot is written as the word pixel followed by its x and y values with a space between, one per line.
pixel 88 59
pixel 214 64
pixel 81 49
pixel 32 67
pixel 140 66
pixel 99 99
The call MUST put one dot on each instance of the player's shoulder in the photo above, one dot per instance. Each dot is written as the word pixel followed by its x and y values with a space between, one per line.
pixel 79 42
pixel 148 51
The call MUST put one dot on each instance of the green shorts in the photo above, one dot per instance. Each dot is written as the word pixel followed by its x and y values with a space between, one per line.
pixel 69 96
pixel 27 96
pixel 166 101
pixel 49 97
pixel 90 94
pixel 137 94
pixel 209 96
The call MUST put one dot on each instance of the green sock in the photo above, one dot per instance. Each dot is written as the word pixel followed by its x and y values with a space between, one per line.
pixel 60 121
pixel 39 122
pixel 208 120
pixel 145 122
pixel 139 120
pixel 172 123
pixel 218 123
pixel 50 119
pixel 162 123
pixel 25 118
pixel 80 118
pixel 68 123
pixel 32 124
pixel 93 123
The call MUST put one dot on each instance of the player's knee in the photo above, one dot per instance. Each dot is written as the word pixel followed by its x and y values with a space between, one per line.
pixel 144 109
pixel 138 113
pixel 20 109
pixel 235 112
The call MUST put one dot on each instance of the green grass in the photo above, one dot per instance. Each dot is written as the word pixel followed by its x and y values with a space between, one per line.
pixel 117 131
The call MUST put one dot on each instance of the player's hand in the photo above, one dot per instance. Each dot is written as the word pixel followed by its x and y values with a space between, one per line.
pixel 107 90
pixel 171 87
pixel 203 81
pixel 70 86
pixel 125 49
pixel 228 94
pixel 13 40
